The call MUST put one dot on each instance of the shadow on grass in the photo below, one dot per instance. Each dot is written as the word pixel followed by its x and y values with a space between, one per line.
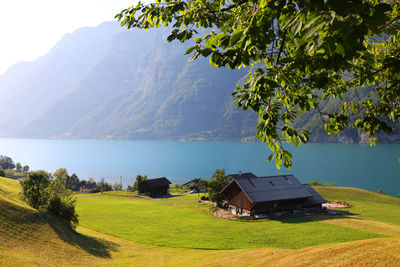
pixel 316 218
pixel 32 223
pixel 95 246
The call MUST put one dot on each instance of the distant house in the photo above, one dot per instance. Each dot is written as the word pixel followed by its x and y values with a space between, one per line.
pixel 88 188
pixel 264 195
pixel 155 187
pixel 194 185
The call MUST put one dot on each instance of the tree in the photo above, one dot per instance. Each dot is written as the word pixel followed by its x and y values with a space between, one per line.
pixel 139 179
pixel 301 53
pixel 25 169
pixel 6 163
pixel 72 182
pixel 62 203
pixel 2 173
pixel 216 183
pixel 35 189
pixel 61 175
pixel 18 167
pixel 101 185
pixel 117 186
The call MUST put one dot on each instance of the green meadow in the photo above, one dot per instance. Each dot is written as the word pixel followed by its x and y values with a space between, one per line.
pixel 181 222
pixel 118 228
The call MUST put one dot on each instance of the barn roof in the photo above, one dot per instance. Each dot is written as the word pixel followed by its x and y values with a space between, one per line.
pixel 271 188
pixel 242 175
pixel 315 197
pixel 194 181
pixel 157 182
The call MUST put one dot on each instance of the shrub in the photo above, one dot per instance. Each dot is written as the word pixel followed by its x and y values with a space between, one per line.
pixel 204 198
pixel 380 191
pixel 316 183
pixel 64 208
pixel 40 193
pixel 2 173
pixel 62 203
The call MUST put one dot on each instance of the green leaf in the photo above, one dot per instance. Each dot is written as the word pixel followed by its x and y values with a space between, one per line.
pixel 190 50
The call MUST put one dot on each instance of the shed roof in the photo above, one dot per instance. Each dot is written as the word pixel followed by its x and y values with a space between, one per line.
pixel 195 181
pixel 242 175
pixel 157 182
pixel 271 188
pixel 315 197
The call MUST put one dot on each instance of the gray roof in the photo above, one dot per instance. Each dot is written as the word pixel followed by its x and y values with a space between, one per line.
pixel 242 175
pixel 315 197
pixel 90 186
pixel 194 181
pixel 272 188
pixel 157 182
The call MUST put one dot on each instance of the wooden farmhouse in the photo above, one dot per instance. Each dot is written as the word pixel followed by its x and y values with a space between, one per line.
pixel 155 187
pixel 88 188
pixel 249 194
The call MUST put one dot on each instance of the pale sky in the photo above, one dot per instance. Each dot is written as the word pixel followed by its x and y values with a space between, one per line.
pixel 30 28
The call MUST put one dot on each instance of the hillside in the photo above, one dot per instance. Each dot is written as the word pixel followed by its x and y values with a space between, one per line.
pixel 29 238
pixel 107 82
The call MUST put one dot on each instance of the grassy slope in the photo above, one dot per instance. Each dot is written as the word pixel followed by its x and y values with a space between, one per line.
pixel 29 238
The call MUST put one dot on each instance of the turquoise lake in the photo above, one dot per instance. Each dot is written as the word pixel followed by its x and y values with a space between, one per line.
pixel 346 164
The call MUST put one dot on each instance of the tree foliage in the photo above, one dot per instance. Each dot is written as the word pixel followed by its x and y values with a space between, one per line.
pixel 18 167
pixel 62 203
pixel 302 52
pixel 6 163
pixel 35 189
pixel 40 192
pixel 216 183
pixel 25 169
pixel 139 178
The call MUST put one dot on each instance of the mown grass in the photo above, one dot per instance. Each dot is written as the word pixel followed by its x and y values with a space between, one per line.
pixel 365 204
pixel 181 221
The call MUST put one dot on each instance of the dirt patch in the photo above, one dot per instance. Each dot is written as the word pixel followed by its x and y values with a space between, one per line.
pixel 335 204
pixel 224 214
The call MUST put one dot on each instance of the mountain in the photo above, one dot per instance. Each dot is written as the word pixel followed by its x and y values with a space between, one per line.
pixel 107 82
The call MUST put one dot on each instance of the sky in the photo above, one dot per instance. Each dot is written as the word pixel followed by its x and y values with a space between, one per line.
pixel 30 28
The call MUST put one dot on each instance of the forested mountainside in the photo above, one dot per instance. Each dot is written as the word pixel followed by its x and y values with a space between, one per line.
pixel 107 82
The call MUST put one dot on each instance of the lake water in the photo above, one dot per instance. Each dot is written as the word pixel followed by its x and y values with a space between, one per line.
pixel 346 164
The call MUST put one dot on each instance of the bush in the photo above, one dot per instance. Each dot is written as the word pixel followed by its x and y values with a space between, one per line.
pixel 204 198
pixel 40 193
pixel 380 191
pixel 316 183
pixel 2 173
pixel 64 208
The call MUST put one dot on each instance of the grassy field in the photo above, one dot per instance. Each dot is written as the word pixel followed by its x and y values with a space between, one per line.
pixel 30 238
pixel 180 222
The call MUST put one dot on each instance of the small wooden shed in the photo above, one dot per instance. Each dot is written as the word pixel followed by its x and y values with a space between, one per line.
pixel 194 185
pixel 155 187
pixel 264 195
